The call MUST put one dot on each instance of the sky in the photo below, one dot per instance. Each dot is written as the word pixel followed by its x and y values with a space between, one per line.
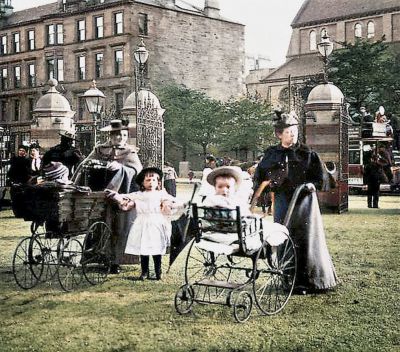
pixel 267 22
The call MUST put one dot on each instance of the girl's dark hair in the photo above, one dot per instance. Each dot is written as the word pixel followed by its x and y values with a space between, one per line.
pixel 150 173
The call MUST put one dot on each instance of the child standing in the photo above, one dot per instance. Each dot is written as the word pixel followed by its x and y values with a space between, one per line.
pixel 151 231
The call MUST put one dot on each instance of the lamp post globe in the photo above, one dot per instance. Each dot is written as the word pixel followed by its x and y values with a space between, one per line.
pixel 325 48
pixel 94 99
pixel 141 54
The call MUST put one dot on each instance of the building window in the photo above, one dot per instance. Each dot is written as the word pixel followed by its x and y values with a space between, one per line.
pixel 118 23
pixel 99 30
pixel 81 67
pixel 31 75
pixel 81 30
pixel 3 45
pixel 313 40
pixel 143 24
pixel 4 79
pixel 31 40
pixel 17 110
pixel 16 45
pixel 3 110
pixel 31 107
pixel 118 62
pixel 358 30
pixel 55 69
pixel 370 29
pixel 99 65
pixel 119 104
pixel 17 77
pixel 55 34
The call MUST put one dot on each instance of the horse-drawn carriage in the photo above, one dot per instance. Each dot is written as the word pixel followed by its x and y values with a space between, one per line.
pixel 69 238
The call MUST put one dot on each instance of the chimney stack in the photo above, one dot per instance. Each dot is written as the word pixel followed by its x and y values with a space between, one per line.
pixel 212 8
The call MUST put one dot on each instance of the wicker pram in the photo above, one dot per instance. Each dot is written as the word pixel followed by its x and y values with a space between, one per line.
pixel 63 209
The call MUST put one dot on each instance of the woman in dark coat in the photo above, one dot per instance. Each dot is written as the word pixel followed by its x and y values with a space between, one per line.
pixel 288 165
pixel 122 164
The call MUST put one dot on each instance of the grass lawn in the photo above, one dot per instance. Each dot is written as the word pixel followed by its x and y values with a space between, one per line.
pixel 362 314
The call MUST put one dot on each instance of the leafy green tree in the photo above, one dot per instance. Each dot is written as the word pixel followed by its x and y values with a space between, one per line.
pixel 191 118
pixel 247 126
pixel 366 72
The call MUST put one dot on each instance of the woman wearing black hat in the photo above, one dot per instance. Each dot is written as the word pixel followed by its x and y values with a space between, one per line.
pixel 122 164
pixel 19 172
pixel 285 167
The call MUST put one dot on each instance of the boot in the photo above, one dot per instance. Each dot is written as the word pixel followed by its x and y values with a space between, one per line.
pixel 157 266
pixel 144 264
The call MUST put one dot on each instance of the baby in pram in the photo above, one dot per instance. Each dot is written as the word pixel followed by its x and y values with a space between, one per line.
pixel 226 181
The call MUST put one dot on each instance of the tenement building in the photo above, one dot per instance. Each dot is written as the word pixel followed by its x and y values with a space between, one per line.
pixel 77 41
pixel 342 20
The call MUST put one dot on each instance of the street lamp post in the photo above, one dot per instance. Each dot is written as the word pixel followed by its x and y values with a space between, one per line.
pixel 94 99
pixel 325 48
pixel 141 55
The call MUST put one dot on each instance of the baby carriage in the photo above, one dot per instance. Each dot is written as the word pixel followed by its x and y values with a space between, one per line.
pixel 234 261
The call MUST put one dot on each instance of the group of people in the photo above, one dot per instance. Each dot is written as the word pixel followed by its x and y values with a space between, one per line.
pixel 139 206
pixel 59 162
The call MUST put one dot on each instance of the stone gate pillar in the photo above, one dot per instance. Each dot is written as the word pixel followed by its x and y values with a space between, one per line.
pixel 51 115
pixel 326 132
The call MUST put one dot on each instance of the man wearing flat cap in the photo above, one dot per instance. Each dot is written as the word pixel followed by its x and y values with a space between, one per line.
pixel 122 165
pixel 285 167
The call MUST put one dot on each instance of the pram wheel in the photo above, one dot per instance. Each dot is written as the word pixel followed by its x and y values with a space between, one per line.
pixel 242 306
pixel 28 263
pixel 69 264
pixel 184 299
pixel 275 272
pixel 96 262
pixel 202 264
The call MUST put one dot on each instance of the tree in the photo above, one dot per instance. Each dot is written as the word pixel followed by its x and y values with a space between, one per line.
pixel 247 126
pixel 191 118
pixel 366 72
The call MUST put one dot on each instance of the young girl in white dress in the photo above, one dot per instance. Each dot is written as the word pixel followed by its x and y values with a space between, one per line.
pixel 151 230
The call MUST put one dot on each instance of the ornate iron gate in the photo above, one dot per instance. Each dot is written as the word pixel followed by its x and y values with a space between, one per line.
pixel 343 172
pixel 150 134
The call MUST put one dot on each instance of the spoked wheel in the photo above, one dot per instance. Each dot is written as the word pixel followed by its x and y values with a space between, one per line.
pixel 184 299
pixel 242 305
pixel 27 264
pixel 96 261
pixel 202 264
pixel 50 251
pixel 69 264
pixel 275 273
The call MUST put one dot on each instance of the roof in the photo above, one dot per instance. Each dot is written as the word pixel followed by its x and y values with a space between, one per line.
pixel 37 13
pixel 322 11
pixel 299 66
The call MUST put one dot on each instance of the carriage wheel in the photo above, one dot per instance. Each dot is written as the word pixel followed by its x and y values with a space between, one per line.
pixel 274 276
pixel 184 299
pixel 242 306
pixel 27 264
pixel 50 251
pixel 69 264
pixel 202 264
pixel 96 261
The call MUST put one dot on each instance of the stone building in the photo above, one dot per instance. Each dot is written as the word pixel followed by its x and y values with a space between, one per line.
pixel 343 20
pixel 76 41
